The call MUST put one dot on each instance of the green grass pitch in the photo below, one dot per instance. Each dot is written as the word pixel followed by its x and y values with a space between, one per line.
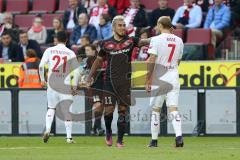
pixel 93 148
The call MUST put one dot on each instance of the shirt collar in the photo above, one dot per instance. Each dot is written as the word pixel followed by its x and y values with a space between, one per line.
pixel 61 45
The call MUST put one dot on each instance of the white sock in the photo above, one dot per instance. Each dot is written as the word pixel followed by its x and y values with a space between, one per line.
pixel 68 125
pixel 49 119
pixel 177 123
pixel 155 124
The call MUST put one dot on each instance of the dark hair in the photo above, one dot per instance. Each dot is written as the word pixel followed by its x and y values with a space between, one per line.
pixel 22 32
pixel 93 47
pixel 144 30
pixel 61 36
pixel 6 33
pixel 86 36
pixel 106 17
pixel 31 53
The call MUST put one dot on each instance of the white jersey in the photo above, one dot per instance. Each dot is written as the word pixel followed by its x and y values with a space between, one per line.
pixel 168 48
pixel 61 61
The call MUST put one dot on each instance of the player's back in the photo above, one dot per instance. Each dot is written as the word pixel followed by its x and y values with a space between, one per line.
pixel 59 60
pixel 60 63
pixel 169 50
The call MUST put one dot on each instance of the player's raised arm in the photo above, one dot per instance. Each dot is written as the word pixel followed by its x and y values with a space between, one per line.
pixel 42 64
pixel 144 42
pixel 96 65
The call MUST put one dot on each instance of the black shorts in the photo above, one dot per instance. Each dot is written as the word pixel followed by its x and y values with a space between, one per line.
pixel 118 93
pixel 97 91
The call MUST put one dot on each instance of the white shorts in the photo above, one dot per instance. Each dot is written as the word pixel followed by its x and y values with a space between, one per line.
pixel 158 95
pixel 54 98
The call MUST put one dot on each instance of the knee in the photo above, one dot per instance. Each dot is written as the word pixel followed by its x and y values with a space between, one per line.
pixel 109 111
pixel 97 107
pixel 156 109
pixel 172 109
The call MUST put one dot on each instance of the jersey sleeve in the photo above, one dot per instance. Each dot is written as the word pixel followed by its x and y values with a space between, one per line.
pixel 153 47
pixel 44 61
pixel 101 51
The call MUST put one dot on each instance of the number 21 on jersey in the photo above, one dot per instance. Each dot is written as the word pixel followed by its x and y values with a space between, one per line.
pixel 58 59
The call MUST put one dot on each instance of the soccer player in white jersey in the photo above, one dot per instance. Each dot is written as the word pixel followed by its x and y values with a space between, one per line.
pixel 165 52
pixel 61 61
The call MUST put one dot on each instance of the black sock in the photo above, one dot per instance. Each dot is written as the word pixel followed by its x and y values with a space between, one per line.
pixel 122 123
pixel 97 122
pixel 108 123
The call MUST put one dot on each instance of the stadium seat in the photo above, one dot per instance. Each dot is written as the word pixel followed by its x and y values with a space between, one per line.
pixel 24 21
pixel 48 18
pixel 63 5
pixel 17 6
pixel 179 33
pixel 175 4
pixel 201 37
pixel 43 6
pixel 150 4
pixel 1 6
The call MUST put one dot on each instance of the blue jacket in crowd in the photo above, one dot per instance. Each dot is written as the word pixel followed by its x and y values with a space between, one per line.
pixel 105 31
pixel 77 34
pixel 218 18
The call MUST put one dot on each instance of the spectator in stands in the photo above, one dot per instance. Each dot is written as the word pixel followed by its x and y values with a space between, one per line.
pixel 83 28
pixel 89 4
pixel 105 27
pixel 57 26
pixel 120 5
pixel 102 8
pixel 80 49
pixel 29 77
pixel 236 13
pixel 25 44
pixel 162 10
pixel 218 18
pixel 135 17
pixel 38 32
pixel 9 26
pixel 188 16
pixel 8 48
pixel 70 17
pixel 141 54
pixel 204 4
pixel 90 50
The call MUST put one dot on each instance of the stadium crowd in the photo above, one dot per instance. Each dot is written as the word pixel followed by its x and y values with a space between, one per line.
pixel 89 21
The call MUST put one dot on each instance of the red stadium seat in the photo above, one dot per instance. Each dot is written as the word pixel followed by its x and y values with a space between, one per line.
pixel 63 5
pixel 1 6
pixel 48 19
pixel 43 6
pixel 199 36
pixel 175 4
pixel 150 4
pixel 24 21
pixel 17 6
pixel 202 37
pixel 179 33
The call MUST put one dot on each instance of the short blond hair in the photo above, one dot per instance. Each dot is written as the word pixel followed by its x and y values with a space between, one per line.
pixel 165 21
pixel 117 18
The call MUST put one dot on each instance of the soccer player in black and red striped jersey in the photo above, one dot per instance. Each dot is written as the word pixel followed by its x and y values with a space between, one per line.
pixel 117 50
